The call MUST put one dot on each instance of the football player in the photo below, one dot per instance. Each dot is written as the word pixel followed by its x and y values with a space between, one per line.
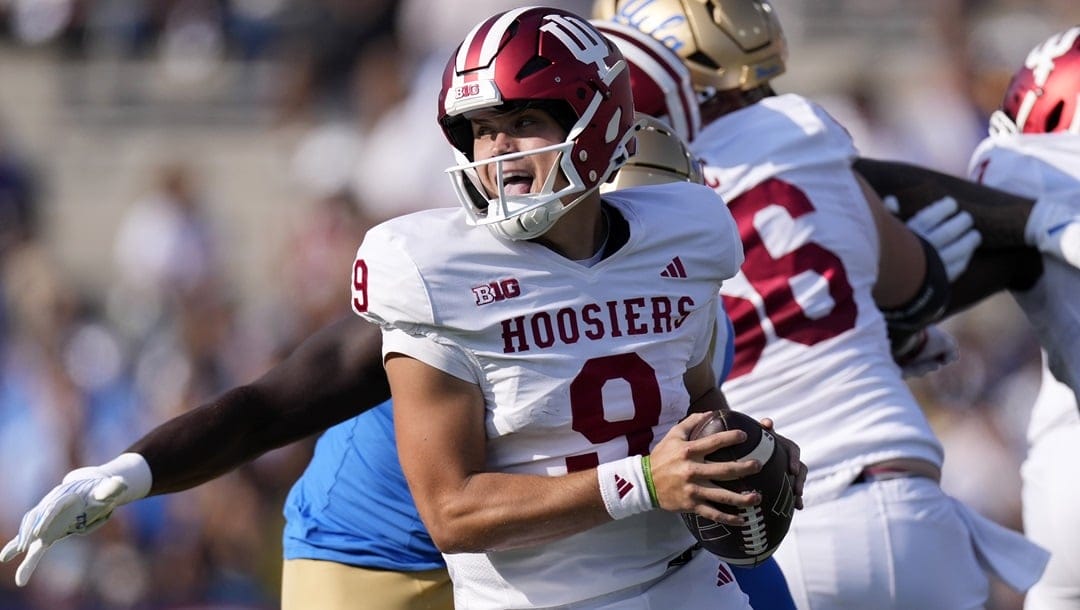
pixel 541 360
pixel 1034 150
pixel 828 272
pixel 387 558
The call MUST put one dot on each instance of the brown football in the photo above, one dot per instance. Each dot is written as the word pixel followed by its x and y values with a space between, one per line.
pixel 768 522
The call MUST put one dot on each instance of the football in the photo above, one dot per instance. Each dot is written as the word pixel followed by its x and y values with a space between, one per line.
pixel 768 522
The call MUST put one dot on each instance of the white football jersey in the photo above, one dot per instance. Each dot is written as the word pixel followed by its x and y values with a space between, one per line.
pixel 1035 165
pixel 811 349
pixel 578 365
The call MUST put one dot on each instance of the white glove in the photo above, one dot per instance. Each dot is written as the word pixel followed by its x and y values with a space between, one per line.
pixel 83 502
pixel 930 350
pixel 951 232
pixel 1054 227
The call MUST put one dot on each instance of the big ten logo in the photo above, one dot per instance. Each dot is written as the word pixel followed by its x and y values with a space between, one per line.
pixel 664 25
pixel 467 90
pixel 494 292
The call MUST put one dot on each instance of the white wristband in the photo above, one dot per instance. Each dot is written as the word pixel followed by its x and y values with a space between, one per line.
pixel 135 472
pixel 623 487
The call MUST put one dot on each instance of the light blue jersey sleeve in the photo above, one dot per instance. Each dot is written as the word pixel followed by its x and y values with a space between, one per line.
pixel 352 504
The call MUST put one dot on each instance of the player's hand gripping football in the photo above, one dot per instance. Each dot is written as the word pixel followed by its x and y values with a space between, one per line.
pixel 80 504
pixel 796 468
pixel 1054 227
pixel 684 479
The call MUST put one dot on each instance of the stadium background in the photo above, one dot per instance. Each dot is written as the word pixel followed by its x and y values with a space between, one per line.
pixel 183 184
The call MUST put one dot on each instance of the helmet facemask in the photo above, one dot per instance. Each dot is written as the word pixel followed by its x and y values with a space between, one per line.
pixel 514 216
pixel 530 215
pixel 554 60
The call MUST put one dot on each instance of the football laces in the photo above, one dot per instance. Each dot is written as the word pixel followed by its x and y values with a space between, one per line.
pixel 755 537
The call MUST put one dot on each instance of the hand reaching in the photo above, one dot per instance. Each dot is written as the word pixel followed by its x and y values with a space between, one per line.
pixel 80 504
pixel 951 232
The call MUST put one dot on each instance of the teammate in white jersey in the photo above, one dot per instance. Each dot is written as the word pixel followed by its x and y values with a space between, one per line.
pixel 1034 150
pixel 822 256
pixel 537 347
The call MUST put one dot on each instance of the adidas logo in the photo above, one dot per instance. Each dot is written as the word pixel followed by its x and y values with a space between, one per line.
pixel 723 576
pixel 674 269
pixel 623 486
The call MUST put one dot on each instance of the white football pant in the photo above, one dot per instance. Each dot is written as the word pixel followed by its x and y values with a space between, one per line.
pixel 898 544
pixel 1051 501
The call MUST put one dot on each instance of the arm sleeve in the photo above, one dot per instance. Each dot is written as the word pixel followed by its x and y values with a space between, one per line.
pixel 335 374
pixel 999 216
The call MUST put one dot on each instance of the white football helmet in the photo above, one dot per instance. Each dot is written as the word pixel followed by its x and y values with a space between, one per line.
pixel 727 44
pixel 554 60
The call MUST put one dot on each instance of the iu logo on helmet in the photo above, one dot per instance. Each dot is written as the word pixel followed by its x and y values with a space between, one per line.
pixel 581 39
pixel 1041 59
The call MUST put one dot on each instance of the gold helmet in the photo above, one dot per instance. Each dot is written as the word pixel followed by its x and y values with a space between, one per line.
pixel 727 44
pixel 662 157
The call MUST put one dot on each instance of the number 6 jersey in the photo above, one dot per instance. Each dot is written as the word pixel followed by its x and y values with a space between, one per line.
pixel 810 344
pixel 578 365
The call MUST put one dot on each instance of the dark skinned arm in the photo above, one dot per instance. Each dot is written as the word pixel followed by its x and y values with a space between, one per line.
pixel 1003 261
pixel 335 374
pixel 998 215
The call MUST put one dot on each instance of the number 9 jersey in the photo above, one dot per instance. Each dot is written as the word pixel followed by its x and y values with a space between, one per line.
pixel 810 341
pixel 579 365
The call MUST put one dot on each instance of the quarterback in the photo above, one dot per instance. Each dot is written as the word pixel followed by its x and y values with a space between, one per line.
pixel 542 433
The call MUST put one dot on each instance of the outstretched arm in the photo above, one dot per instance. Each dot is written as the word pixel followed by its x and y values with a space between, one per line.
pixel 999 216
pixel 1003 260
pixel 333 375
pixel 1050 224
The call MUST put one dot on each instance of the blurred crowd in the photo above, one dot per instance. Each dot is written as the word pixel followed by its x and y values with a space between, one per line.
pixel 100 344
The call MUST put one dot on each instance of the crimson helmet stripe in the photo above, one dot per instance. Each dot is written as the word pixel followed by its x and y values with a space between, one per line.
pixel 668 81
pixel 480 45
pixel 667 72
